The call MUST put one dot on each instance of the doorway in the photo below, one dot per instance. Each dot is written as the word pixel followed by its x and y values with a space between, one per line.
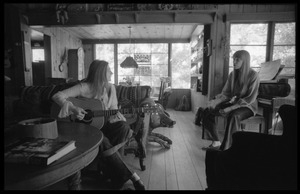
pixel 38 58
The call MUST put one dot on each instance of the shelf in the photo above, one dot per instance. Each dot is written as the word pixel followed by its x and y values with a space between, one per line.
pixel 198 59
pixel 193 64
pixel 197 46
pixel 196 65
pixel 196 75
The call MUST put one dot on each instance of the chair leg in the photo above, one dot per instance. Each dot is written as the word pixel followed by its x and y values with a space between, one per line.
pixel 143 167
pixel 143 140
pixel 141 154
pixel 243 127
pixel 74 181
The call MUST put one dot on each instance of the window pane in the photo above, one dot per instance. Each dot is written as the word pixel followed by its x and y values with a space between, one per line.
pixel 284 34
pixel 257 55
pixel 159 48
pixel 248 34
pixel 159 69
pixel 38 55
pixel 142 48
pixel 106 52
pixel 181 65
pixel 160 65
pixel 149 72
pixel 125 48
pixel 287 56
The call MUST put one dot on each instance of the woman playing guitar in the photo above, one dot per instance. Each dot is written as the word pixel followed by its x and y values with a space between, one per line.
pixel 116 131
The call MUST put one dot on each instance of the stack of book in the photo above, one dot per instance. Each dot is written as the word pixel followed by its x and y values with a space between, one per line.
pixel 37 151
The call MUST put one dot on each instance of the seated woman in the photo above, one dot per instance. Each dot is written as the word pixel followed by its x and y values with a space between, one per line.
pixel 116 131
pixel 236 102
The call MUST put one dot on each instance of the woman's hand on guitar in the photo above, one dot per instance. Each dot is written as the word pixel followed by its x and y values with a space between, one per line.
pixel 116 117
pixel 79 112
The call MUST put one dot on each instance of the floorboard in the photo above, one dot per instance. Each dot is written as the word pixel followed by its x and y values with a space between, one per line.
pixel 179 168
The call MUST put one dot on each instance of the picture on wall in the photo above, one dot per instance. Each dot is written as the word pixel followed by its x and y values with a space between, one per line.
pixel 142 58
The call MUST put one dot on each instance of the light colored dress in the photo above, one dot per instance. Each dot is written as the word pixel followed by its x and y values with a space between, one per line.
pixel 248 99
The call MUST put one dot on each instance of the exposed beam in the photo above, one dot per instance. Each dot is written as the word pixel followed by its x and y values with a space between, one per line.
pixel 261 17
pixel 120 41
pixel 48 19
pixel 198 29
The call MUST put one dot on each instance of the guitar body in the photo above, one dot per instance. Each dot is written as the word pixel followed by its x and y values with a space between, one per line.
pixel 96 114
pixel 88 105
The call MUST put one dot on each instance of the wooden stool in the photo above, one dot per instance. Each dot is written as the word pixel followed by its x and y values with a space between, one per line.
pixel 257 119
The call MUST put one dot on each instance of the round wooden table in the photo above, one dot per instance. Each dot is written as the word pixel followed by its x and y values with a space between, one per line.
pixel 23 176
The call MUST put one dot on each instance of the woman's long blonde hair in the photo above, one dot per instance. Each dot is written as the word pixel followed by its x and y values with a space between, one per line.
pixel 242 79
pixel 97 77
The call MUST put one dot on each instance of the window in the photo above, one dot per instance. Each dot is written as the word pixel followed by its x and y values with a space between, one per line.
pixel 151 58
pixel 284 46
pixel 250 37
pixel 106 52
pixel 38 55
pixel 181 65
pixel 253 37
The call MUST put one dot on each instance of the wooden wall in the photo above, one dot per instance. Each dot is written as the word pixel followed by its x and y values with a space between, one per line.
pixel 259 8
pixel 88 57
pixel 60 40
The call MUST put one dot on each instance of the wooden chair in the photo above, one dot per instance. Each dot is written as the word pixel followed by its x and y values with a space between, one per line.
pixel 163 98
pixel 257 119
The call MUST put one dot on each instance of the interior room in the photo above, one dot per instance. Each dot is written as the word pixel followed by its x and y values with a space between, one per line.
pixel 168 63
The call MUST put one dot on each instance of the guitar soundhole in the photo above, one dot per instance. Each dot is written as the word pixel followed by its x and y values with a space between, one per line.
pixel 87 119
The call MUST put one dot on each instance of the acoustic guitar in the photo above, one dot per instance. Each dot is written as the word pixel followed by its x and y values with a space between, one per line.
pixel 96 115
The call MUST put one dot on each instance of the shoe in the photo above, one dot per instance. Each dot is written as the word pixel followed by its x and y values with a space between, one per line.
pixel 139 185
pixel 211 147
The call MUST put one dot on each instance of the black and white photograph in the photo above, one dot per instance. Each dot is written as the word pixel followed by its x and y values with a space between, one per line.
pixel 160 96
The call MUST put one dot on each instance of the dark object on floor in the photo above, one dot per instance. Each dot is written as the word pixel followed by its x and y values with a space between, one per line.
pixel 199 116
pixel 183 104
pixel 161 119
pixel 139 185
pixel 257 161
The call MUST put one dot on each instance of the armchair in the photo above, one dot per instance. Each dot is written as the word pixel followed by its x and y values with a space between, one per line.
pixel 255 160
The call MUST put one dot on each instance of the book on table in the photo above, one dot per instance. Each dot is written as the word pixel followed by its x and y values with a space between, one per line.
pixel 37 151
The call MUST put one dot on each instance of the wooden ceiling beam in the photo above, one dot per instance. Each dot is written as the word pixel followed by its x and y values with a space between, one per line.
pixel 48 19
pixel 120 41
pixel 261 17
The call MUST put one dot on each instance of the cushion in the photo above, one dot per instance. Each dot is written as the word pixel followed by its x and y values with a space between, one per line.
pixel 36 94
pixel 132 93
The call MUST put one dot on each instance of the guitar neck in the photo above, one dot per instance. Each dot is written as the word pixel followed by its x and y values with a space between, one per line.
pixel 106 113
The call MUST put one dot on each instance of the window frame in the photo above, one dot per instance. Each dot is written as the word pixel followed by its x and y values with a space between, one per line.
pixel 269 41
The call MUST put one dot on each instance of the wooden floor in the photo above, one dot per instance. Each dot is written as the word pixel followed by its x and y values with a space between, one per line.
pixel 181 167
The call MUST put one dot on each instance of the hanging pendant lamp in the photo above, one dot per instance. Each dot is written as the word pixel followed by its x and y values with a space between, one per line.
pixel 129 62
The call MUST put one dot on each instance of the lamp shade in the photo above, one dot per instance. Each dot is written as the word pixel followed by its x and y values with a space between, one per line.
pixel 129 62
